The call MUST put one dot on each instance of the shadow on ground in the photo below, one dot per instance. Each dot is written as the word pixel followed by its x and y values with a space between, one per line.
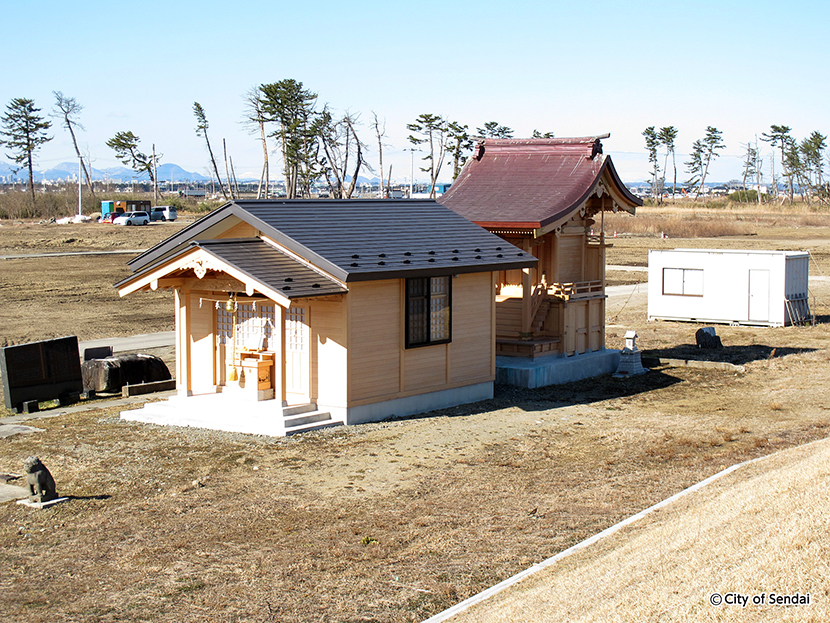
pixel 556 396
pixel 737 355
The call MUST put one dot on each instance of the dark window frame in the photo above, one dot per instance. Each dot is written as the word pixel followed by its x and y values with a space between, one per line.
pixel 426 314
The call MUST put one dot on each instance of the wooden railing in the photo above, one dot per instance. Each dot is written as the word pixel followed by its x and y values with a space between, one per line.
pixel 579 289
pixel 517 315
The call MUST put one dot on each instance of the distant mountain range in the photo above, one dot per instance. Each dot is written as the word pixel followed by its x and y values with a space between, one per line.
pixel 166 173
pixel 69 171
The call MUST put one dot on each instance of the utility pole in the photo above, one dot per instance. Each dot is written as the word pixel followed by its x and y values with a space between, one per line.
pixel 80 162
pixel 155 178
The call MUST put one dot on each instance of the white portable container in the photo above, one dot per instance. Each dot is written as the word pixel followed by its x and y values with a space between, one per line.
pixel 766 288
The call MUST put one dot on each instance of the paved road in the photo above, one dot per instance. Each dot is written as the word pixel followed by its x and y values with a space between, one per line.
pixel 134 342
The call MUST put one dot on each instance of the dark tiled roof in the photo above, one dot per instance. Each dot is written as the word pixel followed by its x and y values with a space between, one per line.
pixel 531 182
pixel 273 268
pixel 355 240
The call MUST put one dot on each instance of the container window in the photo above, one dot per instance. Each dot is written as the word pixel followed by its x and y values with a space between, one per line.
pixel 683 281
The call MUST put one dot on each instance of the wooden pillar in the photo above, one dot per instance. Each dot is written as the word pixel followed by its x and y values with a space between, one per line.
pixel 183 378
pixel 280 355
pixel 527 297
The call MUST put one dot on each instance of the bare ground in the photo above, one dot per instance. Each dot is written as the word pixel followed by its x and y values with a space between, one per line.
pixel 392 521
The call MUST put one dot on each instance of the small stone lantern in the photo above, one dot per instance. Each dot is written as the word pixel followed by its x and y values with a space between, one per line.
pixel 631 340
pixel 630 362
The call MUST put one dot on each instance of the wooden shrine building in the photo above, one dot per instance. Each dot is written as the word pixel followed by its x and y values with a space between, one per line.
pixel 547 197
pixel 295 313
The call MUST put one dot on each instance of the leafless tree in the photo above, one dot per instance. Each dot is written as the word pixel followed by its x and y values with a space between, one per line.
pixel 343 151
pixel 202 130
pixel 380 132
pixel 68 109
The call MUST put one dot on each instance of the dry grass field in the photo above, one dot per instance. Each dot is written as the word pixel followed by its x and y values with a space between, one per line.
pixel 392 521
pixel 738 536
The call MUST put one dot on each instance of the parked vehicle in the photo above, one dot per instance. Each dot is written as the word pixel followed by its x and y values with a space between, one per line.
pixel 163 213
pixel 133 218
pixel 109 217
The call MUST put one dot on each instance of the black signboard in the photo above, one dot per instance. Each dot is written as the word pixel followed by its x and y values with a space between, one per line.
pixel 40 371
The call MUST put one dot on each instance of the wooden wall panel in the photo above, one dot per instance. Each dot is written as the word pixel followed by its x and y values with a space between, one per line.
pixel 426 367
pixel 509 317
pixel 329 365
pixel 596 326
pixel 375 338
pixel 201 344
pixel 472 331
pixel 580 325
pixel 570 258
pixel 242 230
pixel 594 263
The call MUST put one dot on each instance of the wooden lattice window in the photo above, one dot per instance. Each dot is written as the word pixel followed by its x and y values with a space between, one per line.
pixel 254 325
pixel 428 311
pixel 295 332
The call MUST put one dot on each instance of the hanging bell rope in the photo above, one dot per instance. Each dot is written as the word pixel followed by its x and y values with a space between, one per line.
pixel 231 306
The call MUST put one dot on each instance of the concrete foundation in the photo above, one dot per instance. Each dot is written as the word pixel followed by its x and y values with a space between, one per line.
pixel 555 370
pixel 226 412
pixel 421 403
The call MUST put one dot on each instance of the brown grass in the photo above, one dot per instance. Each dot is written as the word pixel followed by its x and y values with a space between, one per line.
pixel 759 530
pixel 384 522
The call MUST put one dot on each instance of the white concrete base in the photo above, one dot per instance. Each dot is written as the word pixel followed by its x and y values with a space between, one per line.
pixel 555 370
pixel 31 504
pixel 421 403
pixel 223 411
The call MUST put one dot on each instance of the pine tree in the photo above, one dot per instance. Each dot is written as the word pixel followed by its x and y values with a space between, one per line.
pixel 492 129
pixel 652 141
pixel 432 129
pixel 703 152
pixel 24 132
pixel 459 142
pixel 666 137
pixel 291 107
pixel 125 145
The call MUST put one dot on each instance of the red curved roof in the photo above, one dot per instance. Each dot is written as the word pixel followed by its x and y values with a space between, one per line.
pixel 531 183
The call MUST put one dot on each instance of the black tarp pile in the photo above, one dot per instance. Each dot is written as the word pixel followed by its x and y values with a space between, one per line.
pixel 113 373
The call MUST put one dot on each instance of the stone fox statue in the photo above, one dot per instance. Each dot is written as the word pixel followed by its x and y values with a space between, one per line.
pixel 41 483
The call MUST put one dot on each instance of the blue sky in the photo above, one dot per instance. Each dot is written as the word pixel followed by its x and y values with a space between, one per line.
pixel 575 68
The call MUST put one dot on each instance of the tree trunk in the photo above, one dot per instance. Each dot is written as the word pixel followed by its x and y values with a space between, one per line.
pixel 83 166
pixel 31 179
pixel 227 171
pixel 213 162
pixel 233 177
pixel 674 182
pixel 265 168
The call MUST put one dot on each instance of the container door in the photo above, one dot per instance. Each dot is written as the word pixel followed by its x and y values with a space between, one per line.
pixel 759 296
pixel 297 361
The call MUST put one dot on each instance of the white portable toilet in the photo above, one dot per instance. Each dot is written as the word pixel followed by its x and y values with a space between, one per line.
pixel 766 288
